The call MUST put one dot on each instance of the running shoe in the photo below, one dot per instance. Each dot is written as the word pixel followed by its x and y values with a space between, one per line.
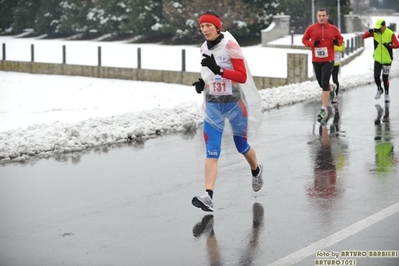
pixel 257 181
pixel 322 116
pixel 378 94
pixel 335 100
pixel 387 99
pixel 204 202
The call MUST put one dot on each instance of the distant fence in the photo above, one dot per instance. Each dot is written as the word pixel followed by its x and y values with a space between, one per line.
pixel 297 69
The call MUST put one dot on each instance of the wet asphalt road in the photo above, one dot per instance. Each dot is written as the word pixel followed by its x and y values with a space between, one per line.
pixel 334 192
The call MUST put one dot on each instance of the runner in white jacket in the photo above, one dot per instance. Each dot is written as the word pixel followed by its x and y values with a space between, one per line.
pixel 230 96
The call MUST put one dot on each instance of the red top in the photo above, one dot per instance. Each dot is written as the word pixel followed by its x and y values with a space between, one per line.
pixel 325 33
pixel 239 74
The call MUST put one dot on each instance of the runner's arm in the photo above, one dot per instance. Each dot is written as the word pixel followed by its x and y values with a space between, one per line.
pixel 395 42
pixel 239 72
pixel 305 39
pixel 339 37
pixel 367 34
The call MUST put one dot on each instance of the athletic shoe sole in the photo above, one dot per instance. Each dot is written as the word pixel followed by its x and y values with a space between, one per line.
pixel 200 204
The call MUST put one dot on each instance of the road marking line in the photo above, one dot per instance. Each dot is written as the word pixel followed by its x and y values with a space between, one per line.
pixel 338 236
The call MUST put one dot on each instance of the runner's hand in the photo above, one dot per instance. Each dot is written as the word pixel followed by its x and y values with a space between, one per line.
pixel 199 85
pixel 371 31
pixel 335 42
pixel 210 62
pixel 387 45
pixel 316 43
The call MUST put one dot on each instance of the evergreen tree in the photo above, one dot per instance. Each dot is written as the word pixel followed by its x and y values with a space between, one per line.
pixel 181 20
pixel 25 15
pixel 76 17
pixel 391 4
pixel 6 13
pixel 145 18
pixel 110 15
pixel 375 3
pixel 48 17
pixel 256 15
pixel 171 21
pixel 242 18
pixel 300 13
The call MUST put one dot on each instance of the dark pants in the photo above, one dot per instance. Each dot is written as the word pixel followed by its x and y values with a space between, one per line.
pixel 323 73
pixel 385 75
pixel 335 77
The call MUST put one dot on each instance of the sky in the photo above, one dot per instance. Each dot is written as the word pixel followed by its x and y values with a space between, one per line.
pixel 45 114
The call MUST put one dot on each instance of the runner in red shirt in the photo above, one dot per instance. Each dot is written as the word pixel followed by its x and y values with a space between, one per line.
pixel 321 37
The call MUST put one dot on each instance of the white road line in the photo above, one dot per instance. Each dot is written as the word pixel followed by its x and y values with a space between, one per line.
pixel 338 236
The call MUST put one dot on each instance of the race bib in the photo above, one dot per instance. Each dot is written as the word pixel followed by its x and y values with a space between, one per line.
pixel 385 69
pixel 321 52
pixel 221 87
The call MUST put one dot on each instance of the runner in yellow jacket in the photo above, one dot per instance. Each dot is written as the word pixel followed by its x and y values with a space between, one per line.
pixel 338 53
pixel 384 41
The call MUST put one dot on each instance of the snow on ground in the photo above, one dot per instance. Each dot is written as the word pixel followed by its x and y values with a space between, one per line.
pixel 45 115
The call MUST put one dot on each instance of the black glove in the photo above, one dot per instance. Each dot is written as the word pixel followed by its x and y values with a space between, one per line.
pixel 199 85
pixel 210 62
pixel 387 45
pixel 316 43
pixel 335 42
pixel 371 31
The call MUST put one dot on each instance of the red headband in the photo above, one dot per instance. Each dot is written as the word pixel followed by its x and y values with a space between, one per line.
pixel 211 19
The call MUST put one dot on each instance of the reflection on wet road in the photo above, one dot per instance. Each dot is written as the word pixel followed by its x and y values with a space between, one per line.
pixel 329 189
pixel 384 149
pixel 248 253
pixel 329 155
